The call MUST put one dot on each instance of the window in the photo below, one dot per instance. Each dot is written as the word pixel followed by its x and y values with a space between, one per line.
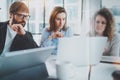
pixel 114 7
pixel 40 11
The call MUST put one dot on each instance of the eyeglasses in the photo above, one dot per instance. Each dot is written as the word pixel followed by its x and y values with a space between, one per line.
pixel 22 16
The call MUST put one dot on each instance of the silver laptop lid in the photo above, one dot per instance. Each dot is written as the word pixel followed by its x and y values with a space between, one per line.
pixel 16 60
pixel 81 50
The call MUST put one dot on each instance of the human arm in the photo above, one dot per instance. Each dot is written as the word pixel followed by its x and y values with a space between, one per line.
pixel 115 46
pixel 47 39
pixel 22 42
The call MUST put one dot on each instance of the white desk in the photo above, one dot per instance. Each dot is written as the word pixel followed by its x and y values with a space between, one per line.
pixel 101 71
pixel 78 71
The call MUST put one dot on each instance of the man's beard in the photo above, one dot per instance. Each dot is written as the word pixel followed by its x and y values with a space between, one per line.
pixel 23 23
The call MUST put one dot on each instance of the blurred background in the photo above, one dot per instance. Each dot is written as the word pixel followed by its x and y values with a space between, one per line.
pixel 80 13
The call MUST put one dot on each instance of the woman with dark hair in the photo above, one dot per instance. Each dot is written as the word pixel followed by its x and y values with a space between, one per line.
pixel 104 25
pixel 57 28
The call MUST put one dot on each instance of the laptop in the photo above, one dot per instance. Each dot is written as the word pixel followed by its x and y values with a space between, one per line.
pixel 17 60
pixel 81 51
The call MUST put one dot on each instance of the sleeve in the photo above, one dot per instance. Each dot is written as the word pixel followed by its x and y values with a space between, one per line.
pixel 29 39
pixel 22 42
pixel 69 32
pixel 45 41
pixel 115 49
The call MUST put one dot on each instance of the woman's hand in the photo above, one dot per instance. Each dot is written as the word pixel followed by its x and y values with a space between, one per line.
pixel 59 34
pixel 56 34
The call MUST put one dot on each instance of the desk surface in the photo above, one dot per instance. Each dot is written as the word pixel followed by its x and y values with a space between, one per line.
pixel 51 67
pixel 104 70
pixel 101 71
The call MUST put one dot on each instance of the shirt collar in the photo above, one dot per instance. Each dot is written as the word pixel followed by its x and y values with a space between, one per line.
pixel 12 32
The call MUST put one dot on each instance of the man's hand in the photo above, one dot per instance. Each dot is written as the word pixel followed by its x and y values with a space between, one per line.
pixel 17 27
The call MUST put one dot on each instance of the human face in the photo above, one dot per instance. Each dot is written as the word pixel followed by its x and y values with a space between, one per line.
pixel 100 24
pixel 60 20
pixel 20 18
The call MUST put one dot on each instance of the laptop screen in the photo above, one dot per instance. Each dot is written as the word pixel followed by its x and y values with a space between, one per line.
pixel 16 60
pixel 81 50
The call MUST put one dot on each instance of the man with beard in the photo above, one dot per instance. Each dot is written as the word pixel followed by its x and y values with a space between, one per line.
pixel 13 37
pixel 12 34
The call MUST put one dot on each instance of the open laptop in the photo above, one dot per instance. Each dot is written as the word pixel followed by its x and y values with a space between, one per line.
pixel 81 51
pixel 16 60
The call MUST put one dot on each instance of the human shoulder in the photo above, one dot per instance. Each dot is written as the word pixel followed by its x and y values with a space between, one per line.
pixel 46 29
pixel 116 37
pixel 68 28
pixel 6 22
pixel 28 32
pixel 2 24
